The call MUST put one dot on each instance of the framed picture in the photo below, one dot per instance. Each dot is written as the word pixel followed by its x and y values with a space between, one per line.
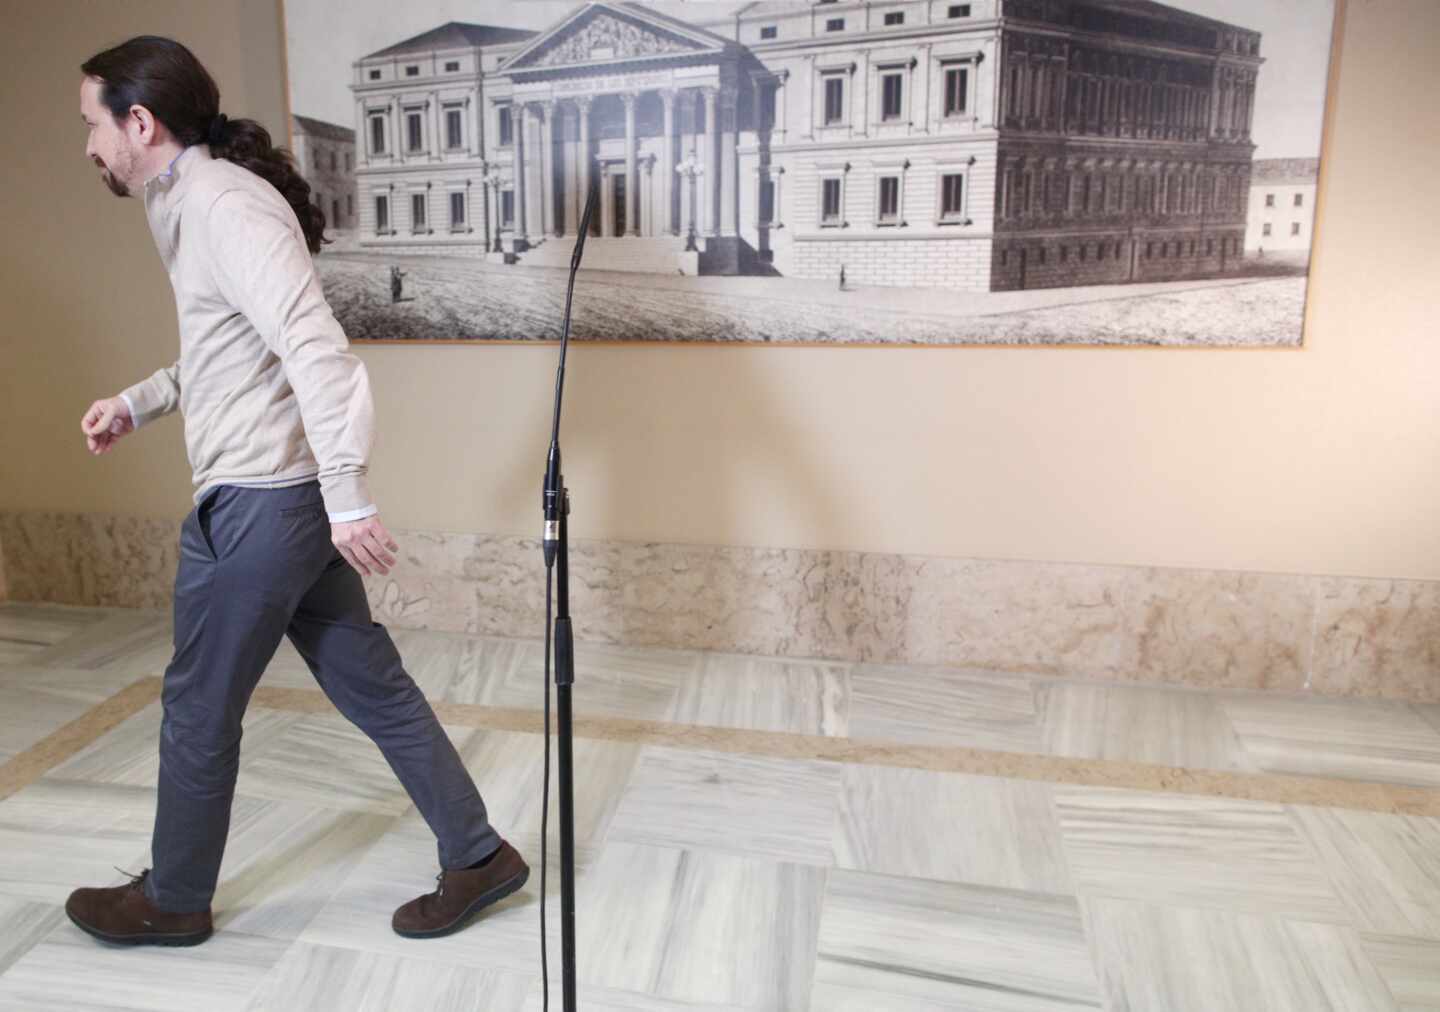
pixel 998 172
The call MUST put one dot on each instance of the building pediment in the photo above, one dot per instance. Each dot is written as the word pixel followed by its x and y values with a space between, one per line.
pixel 600 34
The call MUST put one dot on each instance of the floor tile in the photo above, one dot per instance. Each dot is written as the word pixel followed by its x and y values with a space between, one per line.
pixel 1386 868
pixel 1351 739
pixel 1167 727
pixel 943 706
pixel 26 628
pixel 285 860
pixel 605 999
pixel 27 923
pixel 17 652
pixel 400 866
pixel 319 977
pixel 712 881
pixel 32 709
pixel 911 945
pixel 765 694
pixel 1410 966
pixel 610 681
pixel 87 686
pixel 508 769
pixel 1184 850
pixel 130 752
pixel 57 836
pixel 1195 960
pixel 71 971
pixel 458 667
pixel 1429 712
pixel 701 926
pixel 950 826
pixel 327 761
pixel 110 640
pixel 780 809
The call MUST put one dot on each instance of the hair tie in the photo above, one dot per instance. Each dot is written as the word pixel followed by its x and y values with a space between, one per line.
pixel 216 133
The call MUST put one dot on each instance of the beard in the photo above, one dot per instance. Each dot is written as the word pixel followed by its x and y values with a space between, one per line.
pixel 125 163
pixel 116 187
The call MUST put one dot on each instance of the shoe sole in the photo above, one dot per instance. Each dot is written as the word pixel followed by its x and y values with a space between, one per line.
pixel 148 938
pixel 496 894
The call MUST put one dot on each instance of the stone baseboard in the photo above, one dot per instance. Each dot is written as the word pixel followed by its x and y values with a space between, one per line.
pixel 1328 635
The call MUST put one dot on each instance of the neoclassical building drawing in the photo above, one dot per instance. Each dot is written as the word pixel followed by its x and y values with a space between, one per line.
pixel 1282 204
pixel 325 153
pixel 990 145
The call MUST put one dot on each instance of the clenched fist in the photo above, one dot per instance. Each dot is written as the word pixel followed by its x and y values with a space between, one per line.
pixel 105 422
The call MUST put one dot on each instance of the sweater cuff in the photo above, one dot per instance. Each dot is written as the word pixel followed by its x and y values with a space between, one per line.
pixel 144 405
pixel 345 493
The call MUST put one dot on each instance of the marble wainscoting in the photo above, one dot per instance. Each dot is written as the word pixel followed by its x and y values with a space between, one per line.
pixel 1329 635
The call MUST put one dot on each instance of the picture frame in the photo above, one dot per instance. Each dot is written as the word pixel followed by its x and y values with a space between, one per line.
pixel 1022 173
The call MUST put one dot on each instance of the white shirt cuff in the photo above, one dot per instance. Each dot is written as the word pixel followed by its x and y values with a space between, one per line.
pixel 131 405
pixel 360 514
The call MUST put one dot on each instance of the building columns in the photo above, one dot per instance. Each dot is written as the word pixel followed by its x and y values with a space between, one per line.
pixel 648 213
pixel 687 198
pixel 728 183
pixel 484 211
pixel 568 166
pixel 547 169
pixel 632 187
pixel 607 207
pixel 709 222
pixel 690 183
pixel 666 222
pixel 582 108
pixel 517 125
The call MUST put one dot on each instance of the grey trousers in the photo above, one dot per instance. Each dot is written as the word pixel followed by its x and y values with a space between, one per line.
pixel 257 564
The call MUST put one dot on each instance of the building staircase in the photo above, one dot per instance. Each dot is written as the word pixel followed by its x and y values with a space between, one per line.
pixel 661 254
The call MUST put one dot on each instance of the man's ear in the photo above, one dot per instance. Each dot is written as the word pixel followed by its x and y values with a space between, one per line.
pixel 144 124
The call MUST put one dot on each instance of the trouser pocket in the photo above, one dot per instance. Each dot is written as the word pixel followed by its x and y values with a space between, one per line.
pixel 203 514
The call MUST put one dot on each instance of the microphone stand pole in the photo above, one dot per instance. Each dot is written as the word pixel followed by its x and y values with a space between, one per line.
pixel 556 547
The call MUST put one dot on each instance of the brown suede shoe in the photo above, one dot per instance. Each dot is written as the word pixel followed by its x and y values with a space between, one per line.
pixel 462 893
pixel 124 915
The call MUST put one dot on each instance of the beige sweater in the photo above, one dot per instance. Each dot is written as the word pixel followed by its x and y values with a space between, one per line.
pixel 270 392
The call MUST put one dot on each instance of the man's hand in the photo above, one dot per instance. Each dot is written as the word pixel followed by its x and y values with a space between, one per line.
pixel 363 543
pixel 105 422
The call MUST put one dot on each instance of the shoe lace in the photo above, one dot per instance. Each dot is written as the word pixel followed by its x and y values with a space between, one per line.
pixel 136 881
pixel 440 889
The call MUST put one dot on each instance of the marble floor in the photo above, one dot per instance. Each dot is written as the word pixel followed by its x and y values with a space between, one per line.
pixel 751 833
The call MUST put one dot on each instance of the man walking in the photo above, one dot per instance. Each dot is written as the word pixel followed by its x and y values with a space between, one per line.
pixel 279 424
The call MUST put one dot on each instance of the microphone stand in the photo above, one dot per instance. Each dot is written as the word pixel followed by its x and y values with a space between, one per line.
pixel 556 547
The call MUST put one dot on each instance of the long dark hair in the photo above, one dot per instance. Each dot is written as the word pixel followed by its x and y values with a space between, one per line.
pixel 166 78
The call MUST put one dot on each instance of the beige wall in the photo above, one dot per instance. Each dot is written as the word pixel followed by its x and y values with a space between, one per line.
pixel 1318 461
